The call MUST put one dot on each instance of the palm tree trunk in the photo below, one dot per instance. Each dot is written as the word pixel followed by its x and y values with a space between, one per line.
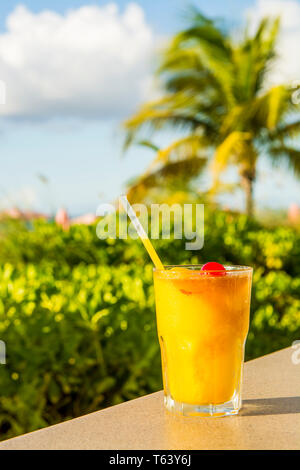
pixel 247 184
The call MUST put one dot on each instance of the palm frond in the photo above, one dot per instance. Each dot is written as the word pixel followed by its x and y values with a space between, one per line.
pixel 189 81
pixel 290 130
pixel 267 110
pixel 253 58
pixel 284 153
pixel 232 146
pixel 234 119
pixel 148 144
pixel 168 173
pixel 264 49
pixel 177 112
pixel 181 149
pixel 203 47
pixel 277 98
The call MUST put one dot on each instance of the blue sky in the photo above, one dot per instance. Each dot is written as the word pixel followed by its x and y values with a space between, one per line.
pixel 164 15
pixel 76 142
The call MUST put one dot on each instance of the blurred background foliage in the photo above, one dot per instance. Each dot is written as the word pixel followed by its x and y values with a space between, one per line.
pixel 78 318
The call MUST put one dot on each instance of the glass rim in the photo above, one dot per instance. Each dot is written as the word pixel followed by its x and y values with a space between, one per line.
pixel 196 268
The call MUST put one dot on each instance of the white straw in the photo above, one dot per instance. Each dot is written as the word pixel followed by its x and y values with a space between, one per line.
pixel 133 217
pixel 141 232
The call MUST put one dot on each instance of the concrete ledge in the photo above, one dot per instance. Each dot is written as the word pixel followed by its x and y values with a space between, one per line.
pixel 270 419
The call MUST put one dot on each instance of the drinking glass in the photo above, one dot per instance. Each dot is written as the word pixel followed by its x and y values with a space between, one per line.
pixel 202 325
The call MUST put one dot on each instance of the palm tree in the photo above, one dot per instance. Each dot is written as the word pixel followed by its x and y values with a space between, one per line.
pixel 217 93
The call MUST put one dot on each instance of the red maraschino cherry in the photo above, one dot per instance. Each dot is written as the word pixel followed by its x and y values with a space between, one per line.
pixel 214 269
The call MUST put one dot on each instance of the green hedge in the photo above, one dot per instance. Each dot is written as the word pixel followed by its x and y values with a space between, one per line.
pixel 77 340
pixel 228 238
pixel 77 313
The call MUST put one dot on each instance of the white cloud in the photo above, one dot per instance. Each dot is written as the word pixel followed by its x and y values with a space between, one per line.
pixel 287 67
pixel 90 62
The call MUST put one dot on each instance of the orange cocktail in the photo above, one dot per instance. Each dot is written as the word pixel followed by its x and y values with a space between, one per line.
pixel 202 323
